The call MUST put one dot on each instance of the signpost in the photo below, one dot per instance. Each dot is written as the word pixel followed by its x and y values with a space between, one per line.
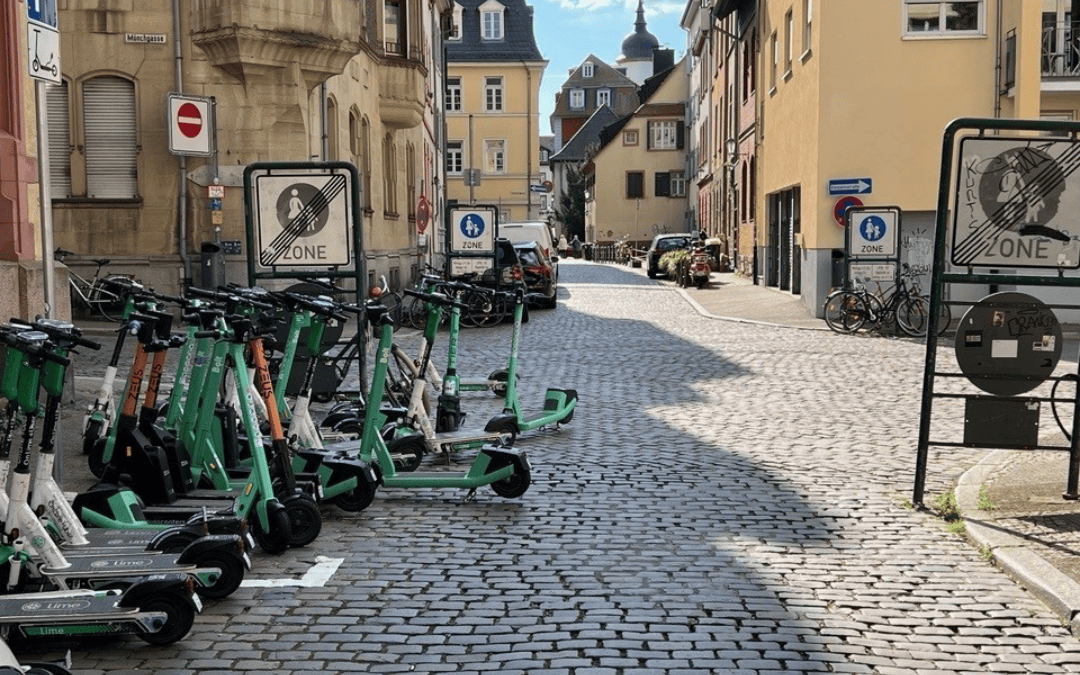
pixel 43 41
pixel 873 232
pixel 190 125
pixel 471 237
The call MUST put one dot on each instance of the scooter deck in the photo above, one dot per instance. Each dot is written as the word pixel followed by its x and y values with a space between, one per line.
pixel 110 567
pixel 60 607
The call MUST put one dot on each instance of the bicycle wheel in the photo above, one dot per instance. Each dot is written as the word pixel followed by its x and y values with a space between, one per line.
pixel 107 303
pixel 483 309
pixel 414 313
pixel 845 312
pixel 944 319
pixel 399 377
pixel 913 316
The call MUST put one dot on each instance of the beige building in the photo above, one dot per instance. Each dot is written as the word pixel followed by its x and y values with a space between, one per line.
pixel 325 80
pixel 494 70
pixel 637 178
pixel 856 90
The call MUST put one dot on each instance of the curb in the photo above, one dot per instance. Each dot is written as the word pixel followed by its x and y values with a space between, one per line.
pixel 705 313
pixel 1059 592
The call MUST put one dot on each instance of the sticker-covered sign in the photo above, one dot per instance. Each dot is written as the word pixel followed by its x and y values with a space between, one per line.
pixel 1016 200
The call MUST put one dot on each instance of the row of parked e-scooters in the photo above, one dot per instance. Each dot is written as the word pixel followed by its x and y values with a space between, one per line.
pixel 192 479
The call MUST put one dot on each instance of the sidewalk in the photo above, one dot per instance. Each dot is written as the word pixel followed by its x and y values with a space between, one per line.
pixel 1031 531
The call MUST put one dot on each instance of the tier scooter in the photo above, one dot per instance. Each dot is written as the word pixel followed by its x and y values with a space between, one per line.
pixel 505 469
pixel 559 404
pixel 700 268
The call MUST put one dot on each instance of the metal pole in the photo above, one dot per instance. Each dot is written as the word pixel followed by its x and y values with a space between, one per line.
pixel 45 185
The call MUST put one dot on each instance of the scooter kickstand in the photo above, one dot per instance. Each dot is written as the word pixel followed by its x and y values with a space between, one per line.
pixel 469 496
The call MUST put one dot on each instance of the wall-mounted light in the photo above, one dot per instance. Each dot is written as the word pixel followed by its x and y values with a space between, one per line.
pixel 731 148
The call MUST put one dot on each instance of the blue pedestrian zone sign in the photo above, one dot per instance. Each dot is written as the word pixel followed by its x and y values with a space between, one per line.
pixel 873 232
pixel 472 230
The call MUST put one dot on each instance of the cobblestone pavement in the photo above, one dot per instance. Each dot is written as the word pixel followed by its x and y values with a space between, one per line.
pixel 729 498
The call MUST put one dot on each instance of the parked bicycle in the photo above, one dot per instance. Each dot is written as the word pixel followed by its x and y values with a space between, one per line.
pixel 103 294
pixel 901 307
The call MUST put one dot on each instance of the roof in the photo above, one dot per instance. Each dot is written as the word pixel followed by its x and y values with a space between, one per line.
pixel 518 43
pixel 639 45
pixel 577 148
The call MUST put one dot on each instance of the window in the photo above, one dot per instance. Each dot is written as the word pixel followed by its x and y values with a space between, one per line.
pixel 56 103
pixel 494 156
pixel 943 18
pixel 665 135
pixel 331 131
pixel 587 69
pixel 109 138
pixel 389 176
pixel 455 32
pixel 394 27
pixel 662 184
pixel 577 99
pixel 493 94
pixel 807 33
pixel 630 137
pixel 678 184
pixel 603 97
pixel 365 163
pixel 635 184
pixel 789 24
pixel 775 60
pixel 453 94
pixel 410 180
pixel 491 20
pixel 454 157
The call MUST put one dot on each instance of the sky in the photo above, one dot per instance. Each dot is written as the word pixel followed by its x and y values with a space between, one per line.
pixel 567 31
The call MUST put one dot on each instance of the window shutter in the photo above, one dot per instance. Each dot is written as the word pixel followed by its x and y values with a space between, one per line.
pixel 680 135
pixel 662 184
pixel 56 110
pixel 109 138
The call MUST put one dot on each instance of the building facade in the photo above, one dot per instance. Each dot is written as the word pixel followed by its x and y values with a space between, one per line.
pixel 492 90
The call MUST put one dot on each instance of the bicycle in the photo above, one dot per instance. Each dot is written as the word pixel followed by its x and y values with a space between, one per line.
pixel 847 311
pixel 105 295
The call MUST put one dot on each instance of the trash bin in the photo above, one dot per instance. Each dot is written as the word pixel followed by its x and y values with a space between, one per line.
pixel 839 268
pixel 213 265
pixel 588 251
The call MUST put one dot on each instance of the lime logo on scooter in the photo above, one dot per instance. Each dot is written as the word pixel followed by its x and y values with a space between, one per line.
pixel 56 605
pixel 37 542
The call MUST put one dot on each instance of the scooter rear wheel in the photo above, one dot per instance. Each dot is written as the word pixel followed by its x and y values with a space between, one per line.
pixel 514 485
pixel 276 540
pixel 180 617
pixel 357 499
pixel 305 521
pixel 232 575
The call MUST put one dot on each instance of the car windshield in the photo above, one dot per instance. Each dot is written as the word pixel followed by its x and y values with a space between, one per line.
pixel 668 244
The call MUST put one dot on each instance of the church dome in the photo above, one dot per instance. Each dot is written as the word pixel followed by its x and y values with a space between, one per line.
pixel 639 45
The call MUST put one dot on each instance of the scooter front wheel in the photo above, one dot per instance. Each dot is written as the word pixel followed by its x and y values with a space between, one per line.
pixel 305 521
pixel 514 485
pixel 95 457
pixel 357 499
pixel 179 618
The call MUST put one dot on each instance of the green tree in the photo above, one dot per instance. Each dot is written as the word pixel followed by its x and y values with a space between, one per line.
pixel 571 211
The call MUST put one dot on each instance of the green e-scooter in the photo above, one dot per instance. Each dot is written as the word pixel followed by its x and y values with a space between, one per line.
pixel 559 404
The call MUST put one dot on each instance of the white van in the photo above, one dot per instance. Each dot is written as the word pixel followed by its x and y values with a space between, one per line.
pixel 533 230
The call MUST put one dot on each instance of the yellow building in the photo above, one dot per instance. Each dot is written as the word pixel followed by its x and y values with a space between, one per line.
pixel 637 179
pixel 856 95
pixel 325 80
pixel 494 70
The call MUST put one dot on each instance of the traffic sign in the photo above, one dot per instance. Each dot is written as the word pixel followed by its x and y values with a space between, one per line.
pixel 190 125
pixel 537 188
pixel 841 206
pixel 850 186
pixel 43 57
pixel 423 213
pixel 472 230
pixel 42 12
pixel 302 217
pixel 874 232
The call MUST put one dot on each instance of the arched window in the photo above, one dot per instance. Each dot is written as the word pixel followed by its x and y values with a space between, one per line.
pixel 389 176
pixel 332 147
pixel 365 163
pixel 410 180
pixel 109 137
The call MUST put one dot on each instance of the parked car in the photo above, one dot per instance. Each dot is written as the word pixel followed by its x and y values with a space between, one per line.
pixel 538 272
pixel 661 244
pixel 523 232
pixel 507 270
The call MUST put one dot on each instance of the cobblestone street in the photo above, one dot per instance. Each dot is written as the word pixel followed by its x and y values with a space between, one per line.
pixel 729 498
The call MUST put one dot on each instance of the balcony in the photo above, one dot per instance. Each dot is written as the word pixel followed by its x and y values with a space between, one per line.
pixel 252 38
pixel 1060 52
pixel 402 91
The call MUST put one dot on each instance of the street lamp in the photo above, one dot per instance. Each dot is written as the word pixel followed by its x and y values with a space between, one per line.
pixel 731 148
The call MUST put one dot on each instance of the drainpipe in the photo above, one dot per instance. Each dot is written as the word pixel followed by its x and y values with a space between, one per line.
pixel 997 63
pixel 181 171
pixel 472 199
pixel 528 141
pixel 324 124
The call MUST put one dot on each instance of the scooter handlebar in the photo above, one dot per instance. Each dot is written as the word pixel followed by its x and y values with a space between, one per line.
pixel 436 299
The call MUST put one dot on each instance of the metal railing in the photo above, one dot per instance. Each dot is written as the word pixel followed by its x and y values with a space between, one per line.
pixel 1060 51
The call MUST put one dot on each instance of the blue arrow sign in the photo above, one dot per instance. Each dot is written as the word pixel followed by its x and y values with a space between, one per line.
pixel 850 186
